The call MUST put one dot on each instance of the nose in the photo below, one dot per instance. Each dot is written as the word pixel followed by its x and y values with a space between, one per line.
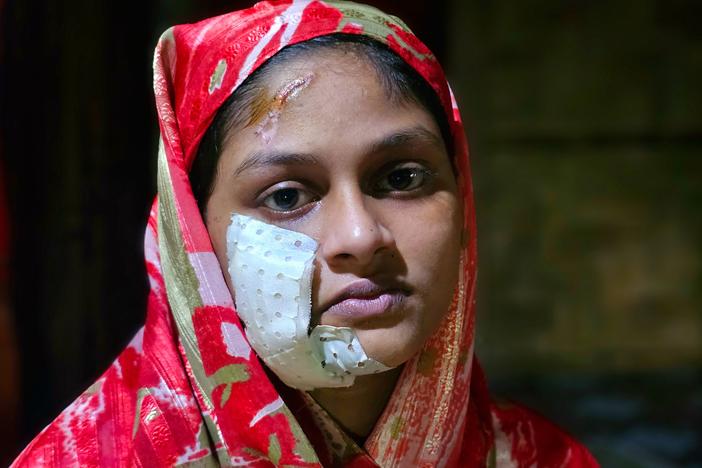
pixel 354 233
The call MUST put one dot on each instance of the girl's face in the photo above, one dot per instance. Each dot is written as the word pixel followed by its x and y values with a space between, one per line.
pixel 328 155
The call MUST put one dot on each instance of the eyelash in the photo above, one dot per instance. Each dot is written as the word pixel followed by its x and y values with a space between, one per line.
pixel 426 175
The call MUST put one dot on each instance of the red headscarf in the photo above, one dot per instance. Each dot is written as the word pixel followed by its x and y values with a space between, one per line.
pixel 189 388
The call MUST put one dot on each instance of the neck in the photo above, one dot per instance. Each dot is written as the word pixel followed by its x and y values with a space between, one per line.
pixel 357 408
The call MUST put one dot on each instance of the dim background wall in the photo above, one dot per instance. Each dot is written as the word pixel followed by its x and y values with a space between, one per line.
pixel 586 131
pixel 585 121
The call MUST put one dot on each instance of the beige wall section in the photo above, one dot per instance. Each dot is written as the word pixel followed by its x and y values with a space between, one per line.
pixel 586 133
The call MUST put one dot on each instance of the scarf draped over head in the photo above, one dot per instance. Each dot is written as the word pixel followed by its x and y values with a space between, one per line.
pixel 189 390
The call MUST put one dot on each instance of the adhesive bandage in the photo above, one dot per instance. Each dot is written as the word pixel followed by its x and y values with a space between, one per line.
pixel 271 271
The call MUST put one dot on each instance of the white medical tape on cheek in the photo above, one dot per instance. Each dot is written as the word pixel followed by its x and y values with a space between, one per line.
pixel 271 271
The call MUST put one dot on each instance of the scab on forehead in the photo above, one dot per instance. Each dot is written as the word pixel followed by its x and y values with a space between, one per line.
pixel 260 106
pixel 291 89
pixel 268 111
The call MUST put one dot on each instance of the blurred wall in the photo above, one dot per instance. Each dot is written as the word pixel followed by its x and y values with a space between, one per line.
pixel 585 121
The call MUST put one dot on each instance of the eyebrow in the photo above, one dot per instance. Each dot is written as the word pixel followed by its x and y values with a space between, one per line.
pixel 404 137
pixel 263 159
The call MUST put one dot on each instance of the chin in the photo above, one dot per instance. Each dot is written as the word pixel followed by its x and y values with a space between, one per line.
pixel 391 346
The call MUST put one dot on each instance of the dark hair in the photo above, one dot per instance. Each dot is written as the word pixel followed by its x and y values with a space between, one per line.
pixel 401 83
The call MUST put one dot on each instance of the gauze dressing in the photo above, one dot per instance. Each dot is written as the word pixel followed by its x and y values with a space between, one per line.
pixel 271 270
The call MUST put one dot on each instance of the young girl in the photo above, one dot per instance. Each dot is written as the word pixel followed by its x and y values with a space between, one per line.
pixel 312 258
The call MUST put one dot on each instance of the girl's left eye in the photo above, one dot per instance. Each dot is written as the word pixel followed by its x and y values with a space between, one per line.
pixel 287 199
pixel 403 179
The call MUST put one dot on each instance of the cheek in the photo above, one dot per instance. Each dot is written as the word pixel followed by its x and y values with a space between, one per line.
pixel 429 240
pixel 431 249
pixel 217 222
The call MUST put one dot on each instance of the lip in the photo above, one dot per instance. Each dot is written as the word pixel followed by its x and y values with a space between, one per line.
pixel 364 300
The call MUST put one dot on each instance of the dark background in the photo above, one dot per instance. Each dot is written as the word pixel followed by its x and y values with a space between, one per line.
pixel 586 128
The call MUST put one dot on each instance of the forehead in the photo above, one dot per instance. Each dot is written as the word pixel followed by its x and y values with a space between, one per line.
pixel 328 97
pixel 327 87
pixel 341 70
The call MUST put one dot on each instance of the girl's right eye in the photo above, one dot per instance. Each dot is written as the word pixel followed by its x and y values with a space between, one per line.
pixel 287 199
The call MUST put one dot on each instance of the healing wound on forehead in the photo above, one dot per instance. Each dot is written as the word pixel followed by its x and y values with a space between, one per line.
pixel 266 111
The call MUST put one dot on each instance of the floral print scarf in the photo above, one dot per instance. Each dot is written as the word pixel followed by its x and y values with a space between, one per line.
pixel 189 390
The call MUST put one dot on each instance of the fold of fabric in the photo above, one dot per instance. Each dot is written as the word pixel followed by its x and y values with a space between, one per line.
pixel 189 390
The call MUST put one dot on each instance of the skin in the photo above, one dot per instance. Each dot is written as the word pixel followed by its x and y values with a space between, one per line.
pixel 355 150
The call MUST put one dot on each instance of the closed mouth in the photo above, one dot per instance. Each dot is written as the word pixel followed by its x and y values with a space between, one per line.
pixel 365 299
